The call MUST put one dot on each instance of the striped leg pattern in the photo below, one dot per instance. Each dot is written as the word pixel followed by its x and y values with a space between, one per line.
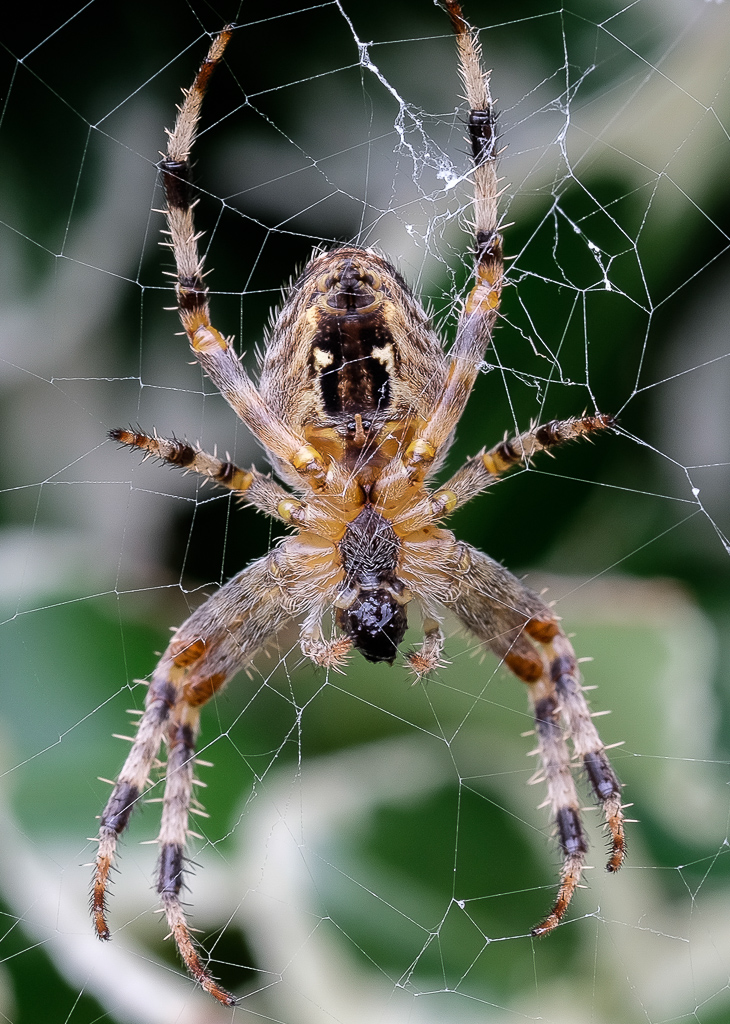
pixel 520 628
pixel 218 639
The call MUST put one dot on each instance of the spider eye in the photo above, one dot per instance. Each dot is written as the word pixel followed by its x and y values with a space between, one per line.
pixel 352 426
pixel 376 623
pixel 350 288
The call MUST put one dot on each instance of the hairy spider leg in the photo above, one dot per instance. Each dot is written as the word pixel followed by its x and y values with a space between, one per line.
pixel 219 638
pixel 520 628
pixel 254 488
pixel 486 468
pixel 479 314
pixel 559 695
pixel 213 351
pixel 561 797
pixel 586 742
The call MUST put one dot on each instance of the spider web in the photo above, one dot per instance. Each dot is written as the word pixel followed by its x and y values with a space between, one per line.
pixel 372 850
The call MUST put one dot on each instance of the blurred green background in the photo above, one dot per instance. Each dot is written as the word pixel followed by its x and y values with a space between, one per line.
pixel 372 851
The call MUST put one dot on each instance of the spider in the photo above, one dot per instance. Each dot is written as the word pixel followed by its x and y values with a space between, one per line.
pixel 356 408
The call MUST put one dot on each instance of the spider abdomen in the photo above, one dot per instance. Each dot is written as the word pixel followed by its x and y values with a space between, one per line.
pixel 351 339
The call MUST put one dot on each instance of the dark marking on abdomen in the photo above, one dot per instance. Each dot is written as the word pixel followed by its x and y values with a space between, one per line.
pixel 353 380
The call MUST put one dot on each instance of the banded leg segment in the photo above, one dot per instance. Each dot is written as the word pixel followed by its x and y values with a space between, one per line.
pixel 486 468
pixel 587 743
pixel 129 787
pixel 517 625
pixel 192 293
pixel 254 488
pixel 172 840
pixel 212 350
pixel 480 311
pixel 562 798
pixel 566 701
pixel 218 639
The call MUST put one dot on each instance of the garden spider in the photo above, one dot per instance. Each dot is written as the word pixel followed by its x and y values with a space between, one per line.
pixel 356 408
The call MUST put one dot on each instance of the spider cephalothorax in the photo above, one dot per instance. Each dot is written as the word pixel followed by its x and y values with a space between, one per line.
pixel 356 407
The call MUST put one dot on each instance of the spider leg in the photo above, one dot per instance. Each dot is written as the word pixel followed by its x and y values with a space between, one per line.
pixel 253 487
pixel 216 641
pixel 487 467
pixel 559 695
pixel 426 658
pixel 479 314
pixel 561 796
pixel 520 628
pixel 480 310
pixel 587 743
pixel 213 351
pixel 325 653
